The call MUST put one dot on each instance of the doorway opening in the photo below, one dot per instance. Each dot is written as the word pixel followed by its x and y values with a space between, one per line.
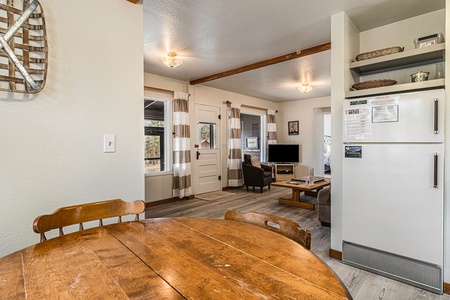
pixel 253 139
pixel 327 144
pixel 322 141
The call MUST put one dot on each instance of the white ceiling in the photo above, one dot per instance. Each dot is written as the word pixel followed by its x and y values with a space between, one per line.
pixel 213 36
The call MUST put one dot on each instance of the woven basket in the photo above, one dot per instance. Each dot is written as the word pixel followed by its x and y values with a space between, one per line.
pixel 378 53
pixel 29 46
pixel 370 84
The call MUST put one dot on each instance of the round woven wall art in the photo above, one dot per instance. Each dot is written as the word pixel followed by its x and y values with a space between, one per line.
pixel 23 47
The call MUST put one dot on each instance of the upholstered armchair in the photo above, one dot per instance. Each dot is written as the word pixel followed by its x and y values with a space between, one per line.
pixel 324 207
pixel 256 174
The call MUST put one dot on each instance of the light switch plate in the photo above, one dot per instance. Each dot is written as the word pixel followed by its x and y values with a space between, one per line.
pixel 109 143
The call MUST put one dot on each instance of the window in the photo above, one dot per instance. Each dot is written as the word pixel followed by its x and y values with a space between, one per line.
pixel 207 135
pixel 157 135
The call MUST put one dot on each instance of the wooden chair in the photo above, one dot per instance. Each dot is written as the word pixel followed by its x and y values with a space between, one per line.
pixel 78 214
pixel 287 227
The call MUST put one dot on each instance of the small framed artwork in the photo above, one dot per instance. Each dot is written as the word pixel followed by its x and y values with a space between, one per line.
pixel 251 143
pixel 293 127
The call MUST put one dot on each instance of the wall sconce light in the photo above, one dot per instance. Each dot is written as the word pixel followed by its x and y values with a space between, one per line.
pixel 305 88
pixel 171 60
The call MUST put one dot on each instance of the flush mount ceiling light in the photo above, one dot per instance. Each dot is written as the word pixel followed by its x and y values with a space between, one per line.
pixel 305 88
pixel 171 60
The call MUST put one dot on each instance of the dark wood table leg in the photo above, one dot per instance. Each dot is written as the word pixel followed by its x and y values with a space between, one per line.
pixel 295 201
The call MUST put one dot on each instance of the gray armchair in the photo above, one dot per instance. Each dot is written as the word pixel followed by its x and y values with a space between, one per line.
pixel 255 176
pixel 324 207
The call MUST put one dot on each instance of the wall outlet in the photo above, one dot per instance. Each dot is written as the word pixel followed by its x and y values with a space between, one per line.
pixel 109 143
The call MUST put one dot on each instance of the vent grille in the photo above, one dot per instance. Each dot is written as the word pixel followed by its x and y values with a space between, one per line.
pixel 417 273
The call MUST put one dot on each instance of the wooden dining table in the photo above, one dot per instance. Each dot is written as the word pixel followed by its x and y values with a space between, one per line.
pixel 169 258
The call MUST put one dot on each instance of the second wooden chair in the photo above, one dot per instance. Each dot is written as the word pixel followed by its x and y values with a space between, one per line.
pixel 79 214
pixel 287 227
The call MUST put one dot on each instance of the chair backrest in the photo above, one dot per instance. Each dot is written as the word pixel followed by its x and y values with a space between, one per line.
pixel 78 214
pixel 280 225
pixel 324 197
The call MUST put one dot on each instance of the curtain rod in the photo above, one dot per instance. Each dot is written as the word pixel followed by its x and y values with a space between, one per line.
pixel 158 89
pixel 228 103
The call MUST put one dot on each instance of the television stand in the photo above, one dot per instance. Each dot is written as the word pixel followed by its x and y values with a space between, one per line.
pixel 284 172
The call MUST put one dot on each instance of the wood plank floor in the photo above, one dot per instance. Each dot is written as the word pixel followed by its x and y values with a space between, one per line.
pixel 361 284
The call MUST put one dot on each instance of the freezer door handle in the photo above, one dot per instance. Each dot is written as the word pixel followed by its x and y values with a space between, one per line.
pixel 435 180
pixel 436 111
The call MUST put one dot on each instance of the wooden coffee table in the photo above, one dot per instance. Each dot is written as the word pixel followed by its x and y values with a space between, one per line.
pixel 297 189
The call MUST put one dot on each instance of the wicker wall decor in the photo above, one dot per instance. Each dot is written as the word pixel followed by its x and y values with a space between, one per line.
pixel 23 46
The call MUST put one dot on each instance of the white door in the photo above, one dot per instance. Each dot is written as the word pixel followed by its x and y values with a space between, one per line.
pixel 207 149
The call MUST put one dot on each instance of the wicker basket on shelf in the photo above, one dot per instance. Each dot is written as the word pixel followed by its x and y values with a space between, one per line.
pixel 378 53
pixel 370 84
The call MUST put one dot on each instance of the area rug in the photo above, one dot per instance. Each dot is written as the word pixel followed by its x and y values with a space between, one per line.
pixel 213 195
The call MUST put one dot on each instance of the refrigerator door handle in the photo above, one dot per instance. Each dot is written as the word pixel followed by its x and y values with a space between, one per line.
pixel 435 175
pixel 436 111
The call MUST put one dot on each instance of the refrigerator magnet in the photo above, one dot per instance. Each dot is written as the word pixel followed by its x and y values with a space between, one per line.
pixel 353 151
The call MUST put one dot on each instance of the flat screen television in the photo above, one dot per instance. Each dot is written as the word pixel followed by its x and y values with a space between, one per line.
pixel 284 153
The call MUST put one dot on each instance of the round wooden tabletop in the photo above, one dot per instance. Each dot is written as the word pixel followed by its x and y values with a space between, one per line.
pixel 170 258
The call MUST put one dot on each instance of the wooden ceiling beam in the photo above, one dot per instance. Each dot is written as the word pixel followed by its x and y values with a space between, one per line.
pixel 264 63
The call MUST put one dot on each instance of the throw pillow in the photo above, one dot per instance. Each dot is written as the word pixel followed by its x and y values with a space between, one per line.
pixel 247 159
pixel 255 161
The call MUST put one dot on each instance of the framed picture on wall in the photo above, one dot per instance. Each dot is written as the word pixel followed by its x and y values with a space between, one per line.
pixel 251 143
pixel 293 127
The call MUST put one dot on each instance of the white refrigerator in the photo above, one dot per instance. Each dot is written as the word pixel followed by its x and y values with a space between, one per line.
pixel 393 169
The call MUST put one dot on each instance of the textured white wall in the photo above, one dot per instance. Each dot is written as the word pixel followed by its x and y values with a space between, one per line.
pixel 51 152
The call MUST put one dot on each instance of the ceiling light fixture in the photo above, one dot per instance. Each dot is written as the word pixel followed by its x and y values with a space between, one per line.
pixel 171 61
pixel 305 88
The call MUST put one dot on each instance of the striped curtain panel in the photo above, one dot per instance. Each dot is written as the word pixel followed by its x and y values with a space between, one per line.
pixel 271 127
pixel 181 146
pixel 235 177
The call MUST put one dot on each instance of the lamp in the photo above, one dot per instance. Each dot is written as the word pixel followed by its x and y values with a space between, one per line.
pixel 171 61
pixel 305 88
